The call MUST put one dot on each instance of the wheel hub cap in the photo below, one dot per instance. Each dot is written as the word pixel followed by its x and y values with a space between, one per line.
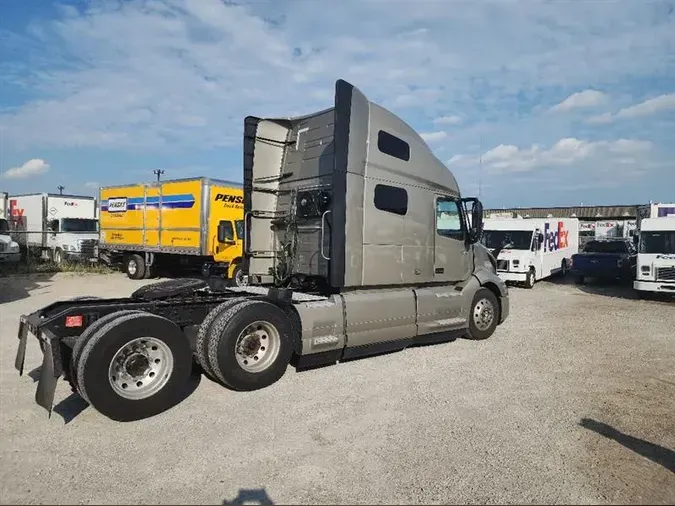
pixel 140 368
pixel 257 347
pixel 483 314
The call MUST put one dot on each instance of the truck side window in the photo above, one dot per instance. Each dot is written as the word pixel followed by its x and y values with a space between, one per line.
pixel 225 231
pixel 448 218
pixel 239 228
pixel 391 199
pixel 393 146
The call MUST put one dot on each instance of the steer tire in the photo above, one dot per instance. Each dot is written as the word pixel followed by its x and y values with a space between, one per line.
pixel 93 370
pixel 530 279
pixel 276 343
pixel 484 296
pixel 202 340
pixel 169 288
pixel 84 338
pixel 238 277
pixel 134 266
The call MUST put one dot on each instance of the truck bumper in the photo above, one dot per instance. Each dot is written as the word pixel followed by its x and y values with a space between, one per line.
pixel 654 286
pixel 77 257
pixel 514 277
pixel 10 258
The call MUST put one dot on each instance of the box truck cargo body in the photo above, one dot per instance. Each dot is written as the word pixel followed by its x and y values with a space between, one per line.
pixel 9 248
pixel 196 222
pixel 529 249
pixel 59 227
pixel 656 256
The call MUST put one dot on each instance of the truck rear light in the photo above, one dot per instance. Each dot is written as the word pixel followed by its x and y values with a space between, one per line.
pixel 74 321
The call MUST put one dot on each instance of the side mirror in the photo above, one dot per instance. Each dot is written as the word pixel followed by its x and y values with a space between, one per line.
pixel 226 233
pixel 476 216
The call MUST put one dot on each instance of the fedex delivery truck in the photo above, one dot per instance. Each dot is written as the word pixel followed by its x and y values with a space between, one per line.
pixel 529 249
pixel 656 256
pixel 194 223
pixel 54 226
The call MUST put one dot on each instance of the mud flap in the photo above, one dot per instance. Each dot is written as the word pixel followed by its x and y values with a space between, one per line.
pixel 21 352
pixel 44 395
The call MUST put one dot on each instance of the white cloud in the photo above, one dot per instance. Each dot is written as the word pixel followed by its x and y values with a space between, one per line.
pixel 581 100
pixel 448 120
pixel 511 158
pixel 649 107
pixel 33 167
pixel 186 72
pixel 431 137
pixel 92 184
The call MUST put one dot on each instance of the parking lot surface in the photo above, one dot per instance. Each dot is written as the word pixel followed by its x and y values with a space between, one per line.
pixel 572 400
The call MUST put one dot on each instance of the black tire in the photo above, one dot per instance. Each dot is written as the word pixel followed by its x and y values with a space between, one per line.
pixel 168 288
pixel 476 332
pixel 579 280
pixel 202 340
pixel 99 351
pixel 223 336
pixel 84 338
pixel 530 279
pixel 238 277
pixel 134 266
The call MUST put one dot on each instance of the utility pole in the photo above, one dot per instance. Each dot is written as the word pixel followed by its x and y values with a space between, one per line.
pixel 158 173
pixel 61 188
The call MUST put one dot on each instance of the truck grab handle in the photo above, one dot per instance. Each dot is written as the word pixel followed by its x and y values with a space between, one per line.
pixel 323 233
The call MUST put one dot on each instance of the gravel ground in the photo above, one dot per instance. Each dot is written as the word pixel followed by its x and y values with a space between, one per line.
pixel 571 401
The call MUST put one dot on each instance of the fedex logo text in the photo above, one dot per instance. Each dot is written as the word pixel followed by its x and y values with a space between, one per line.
pixel 555 239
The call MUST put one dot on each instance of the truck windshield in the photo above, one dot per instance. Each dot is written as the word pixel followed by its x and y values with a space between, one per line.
pixel 507 239
pixel 239 228
pixel 78 225
pixel 4 226
pixel 606 247
pixel 662 241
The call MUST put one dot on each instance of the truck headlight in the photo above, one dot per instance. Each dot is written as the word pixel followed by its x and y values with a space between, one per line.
pixel 516 263
pixel 13 248
pixel 645 269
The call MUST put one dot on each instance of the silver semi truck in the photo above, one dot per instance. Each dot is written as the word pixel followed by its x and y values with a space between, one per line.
pixel 357 241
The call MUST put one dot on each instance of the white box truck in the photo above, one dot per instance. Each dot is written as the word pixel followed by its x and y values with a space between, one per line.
pixel 529 249
pixel 9 249
pixel 656 256
pixel 59 227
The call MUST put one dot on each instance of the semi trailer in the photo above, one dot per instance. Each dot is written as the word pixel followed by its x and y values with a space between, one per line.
pixel 57 227
pixel 177 224
pixel 357 241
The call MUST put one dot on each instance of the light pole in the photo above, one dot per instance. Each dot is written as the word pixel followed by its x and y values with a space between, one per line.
pixel 61 188
pixel 158 173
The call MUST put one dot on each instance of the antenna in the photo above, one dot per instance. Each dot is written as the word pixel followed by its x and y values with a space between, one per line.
pixel 158 173
pixel 480 168
pixel 61 188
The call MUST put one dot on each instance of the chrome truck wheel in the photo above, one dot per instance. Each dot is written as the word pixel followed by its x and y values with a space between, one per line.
pixel 250 345
pixel 257 346
pixel 484 314
pixel 140 368
pixel 134 366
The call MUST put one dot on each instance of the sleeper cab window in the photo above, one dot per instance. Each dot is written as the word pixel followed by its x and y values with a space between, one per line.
pixel 448 218
pixel 391 199
pixel 393 146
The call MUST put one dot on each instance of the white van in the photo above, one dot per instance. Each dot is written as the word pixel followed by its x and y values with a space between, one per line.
pixel 656 256
pixel 528 249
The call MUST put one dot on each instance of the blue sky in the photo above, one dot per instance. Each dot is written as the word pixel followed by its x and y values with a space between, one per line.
pixel 563 101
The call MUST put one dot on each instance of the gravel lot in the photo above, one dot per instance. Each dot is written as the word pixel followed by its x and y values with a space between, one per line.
pixel 571 401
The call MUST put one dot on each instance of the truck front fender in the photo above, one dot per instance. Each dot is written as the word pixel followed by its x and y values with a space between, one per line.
pixel 485 277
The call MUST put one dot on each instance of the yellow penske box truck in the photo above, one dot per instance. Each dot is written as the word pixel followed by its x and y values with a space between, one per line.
pixel 173 224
